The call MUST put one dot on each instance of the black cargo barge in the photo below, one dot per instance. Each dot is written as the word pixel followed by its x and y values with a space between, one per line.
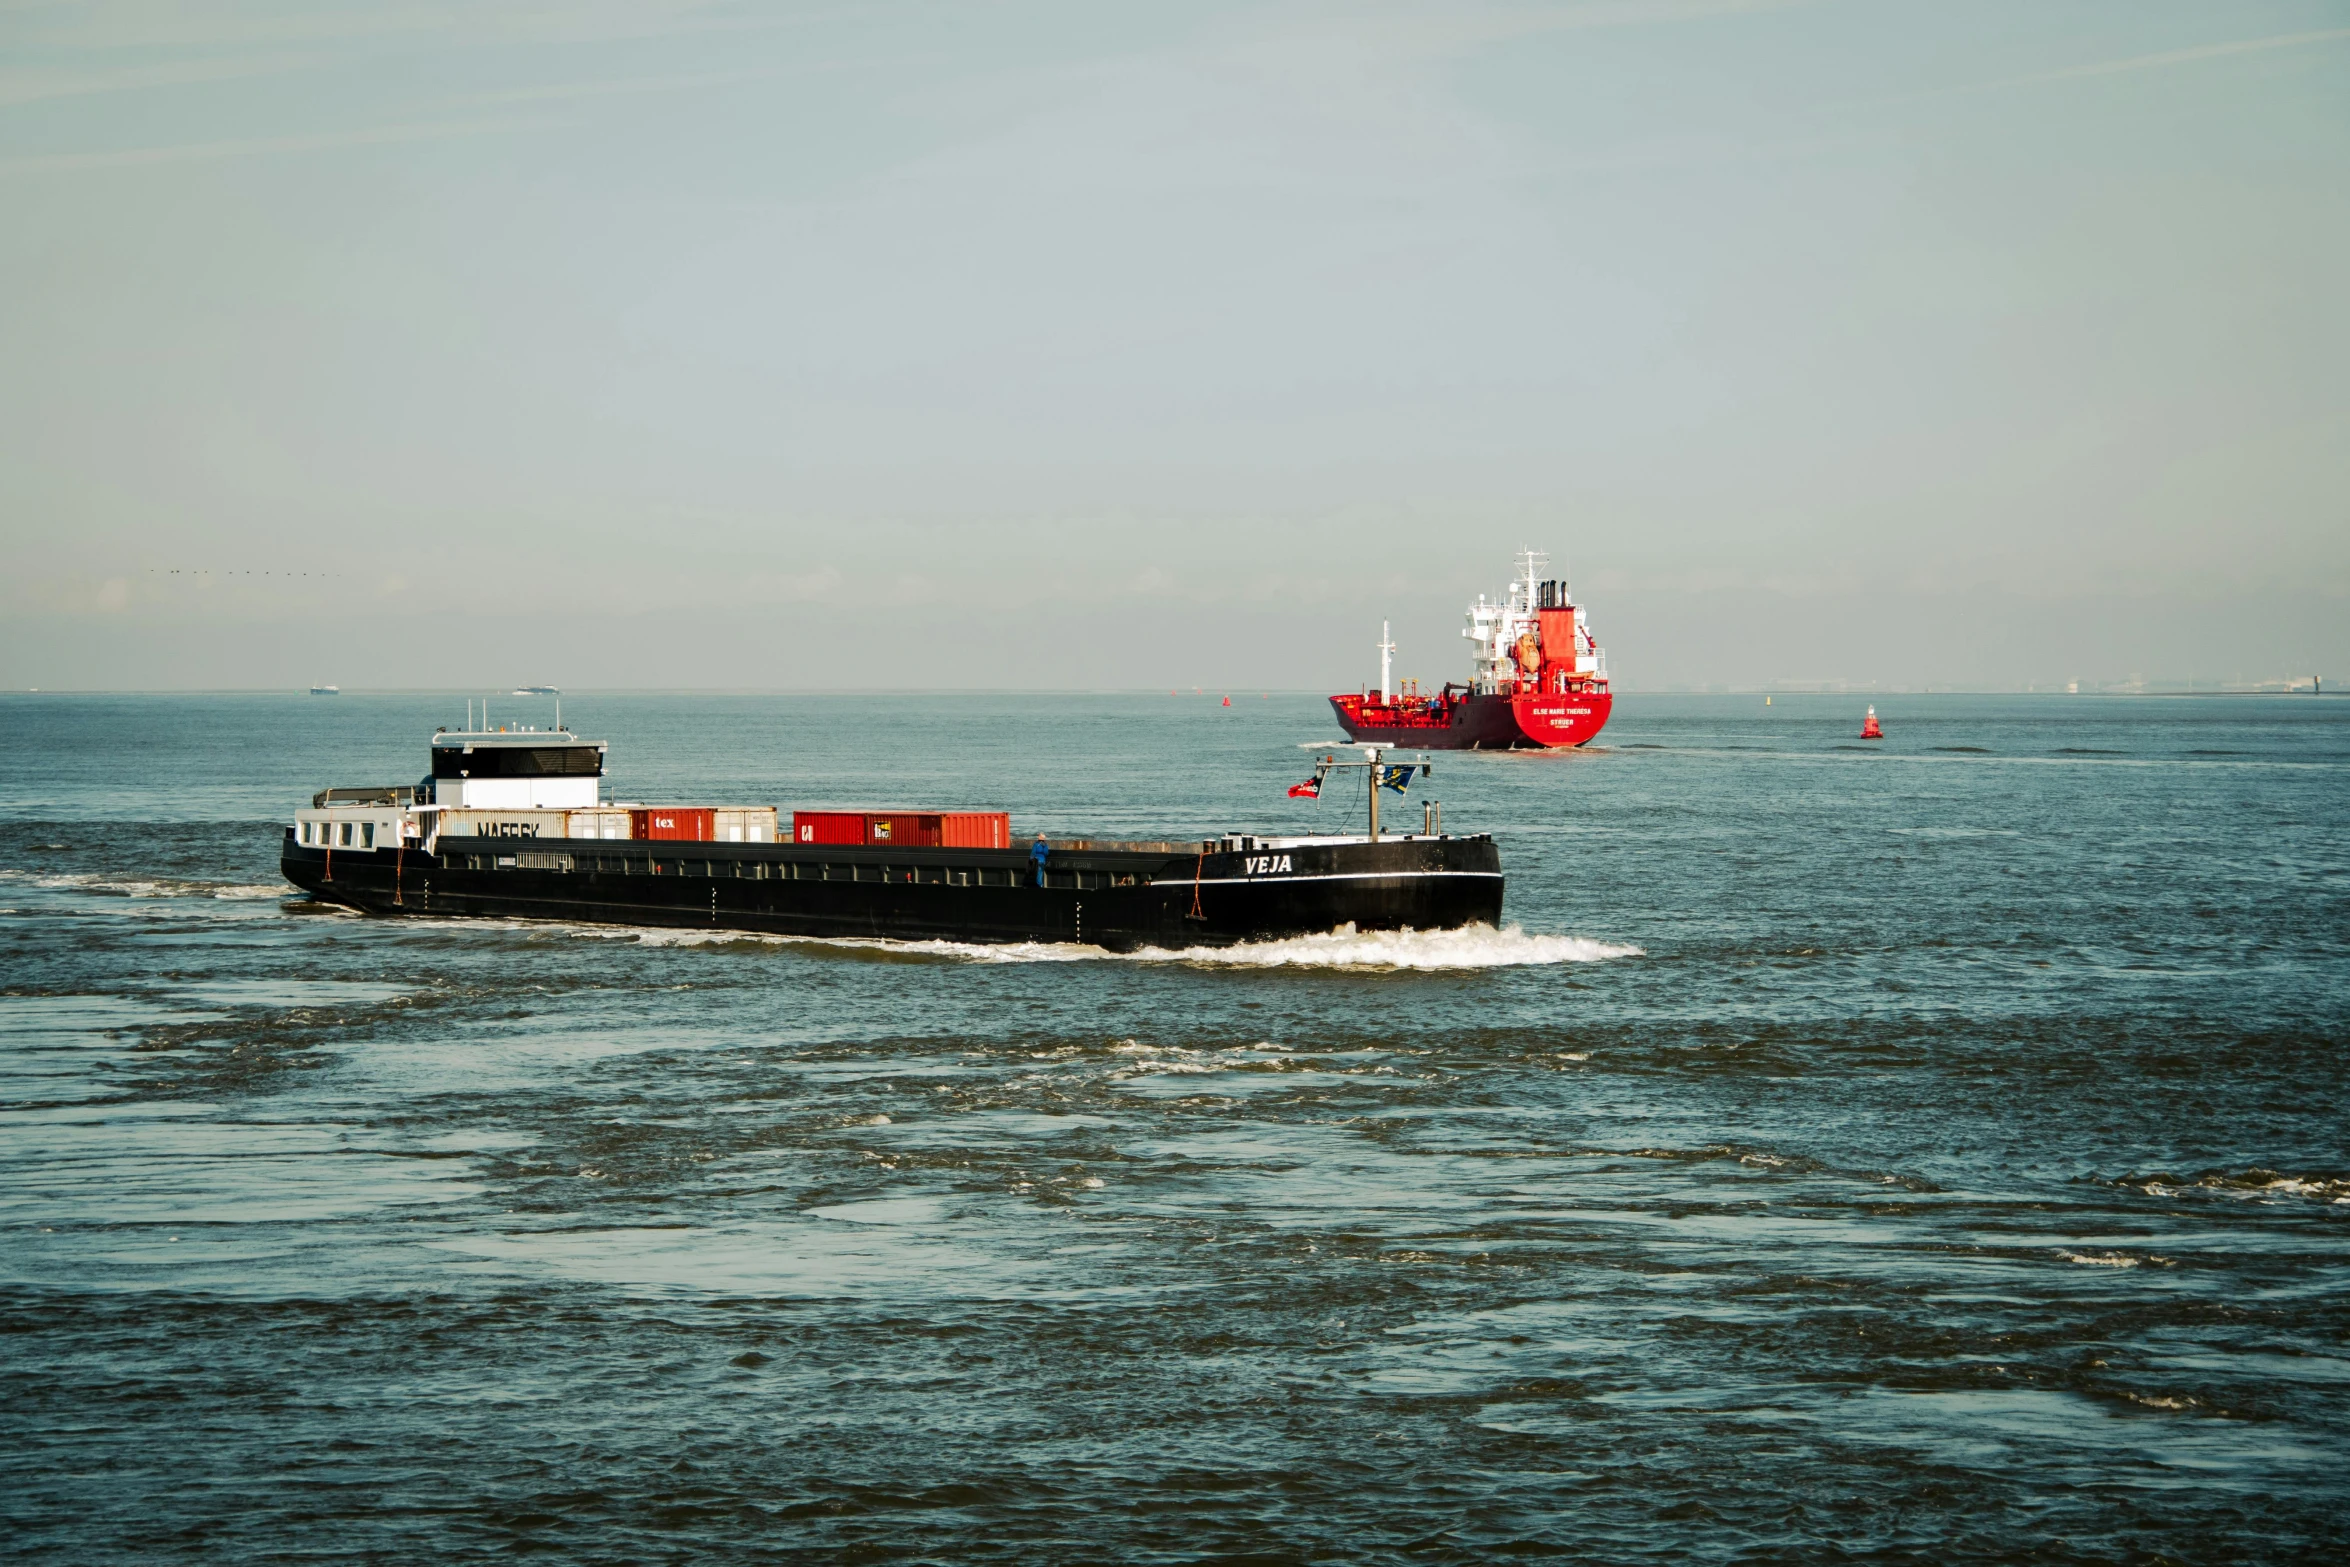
pixel 1119 896
pixel 511 824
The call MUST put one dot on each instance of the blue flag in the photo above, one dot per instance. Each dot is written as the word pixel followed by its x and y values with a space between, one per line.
pixel 1398 778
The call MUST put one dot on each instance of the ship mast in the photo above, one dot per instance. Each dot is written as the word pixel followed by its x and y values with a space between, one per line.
pixel 1373 773
pixel 1386 681
pixel 1531 563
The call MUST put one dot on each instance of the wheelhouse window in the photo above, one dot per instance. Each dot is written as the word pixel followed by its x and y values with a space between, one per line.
pixel 367 835
pixel 518 761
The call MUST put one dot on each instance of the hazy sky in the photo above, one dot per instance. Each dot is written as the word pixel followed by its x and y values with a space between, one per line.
pixel 1122 345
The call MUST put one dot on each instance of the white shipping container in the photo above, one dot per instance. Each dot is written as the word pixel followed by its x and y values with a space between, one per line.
pixel 749 824
pixel 603 822
pixel 503 824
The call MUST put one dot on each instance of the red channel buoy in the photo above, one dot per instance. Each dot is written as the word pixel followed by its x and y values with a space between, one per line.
pixel 1869 729
pixel 1228 701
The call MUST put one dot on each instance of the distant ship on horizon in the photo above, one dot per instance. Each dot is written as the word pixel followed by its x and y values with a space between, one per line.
pixel 537 691
pixel 1538 679
pixel 326 690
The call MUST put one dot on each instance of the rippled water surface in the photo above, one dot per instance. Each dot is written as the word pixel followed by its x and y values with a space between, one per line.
pixel 1929 1150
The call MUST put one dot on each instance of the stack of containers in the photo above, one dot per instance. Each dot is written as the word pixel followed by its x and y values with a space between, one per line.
pixel 705 823
pixel 905 829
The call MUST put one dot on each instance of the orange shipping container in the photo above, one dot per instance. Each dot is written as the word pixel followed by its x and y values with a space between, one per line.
pixel 975 829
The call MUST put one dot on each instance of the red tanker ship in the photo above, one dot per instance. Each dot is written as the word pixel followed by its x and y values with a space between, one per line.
pixel 1537 679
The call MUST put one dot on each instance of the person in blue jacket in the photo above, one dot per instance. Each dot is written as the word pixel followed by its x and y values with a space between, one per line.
pixel 1036 853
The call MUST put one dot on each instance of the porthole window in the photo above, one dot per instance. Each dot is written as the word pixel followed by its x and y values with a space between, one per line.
pixel 367 835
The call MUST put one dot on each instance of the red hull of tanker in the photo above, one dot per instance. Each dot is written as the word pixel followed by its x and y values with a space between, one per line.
pixel 1466 721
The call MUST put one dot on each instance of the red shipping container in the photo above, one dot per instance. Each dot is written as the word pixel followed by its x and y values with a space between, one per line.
pixel 689 822
pixel 828 826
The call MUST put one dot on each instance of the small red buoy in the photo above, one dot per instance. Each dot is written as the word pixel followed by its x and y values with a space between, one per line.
pixel 1869 729
pixel 1228 701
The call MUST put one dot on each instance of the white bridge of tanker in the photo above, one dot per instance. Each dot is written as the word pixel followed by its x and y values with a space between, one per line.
pixel 1497 630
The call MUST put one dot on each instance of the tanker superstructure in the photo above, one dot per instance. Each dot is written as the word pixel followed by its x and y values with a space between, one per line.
pixel 1538 678
pixel 512 823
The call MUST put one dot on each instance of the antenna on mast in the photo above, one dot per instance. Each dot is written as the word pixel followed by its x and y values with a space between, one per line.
pixel 1531 562
pixel 1386 666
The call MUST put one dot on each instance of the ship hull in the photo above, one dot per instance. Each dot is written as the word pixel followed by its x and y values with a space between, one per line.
pixel 1119 898
pixel 1474 722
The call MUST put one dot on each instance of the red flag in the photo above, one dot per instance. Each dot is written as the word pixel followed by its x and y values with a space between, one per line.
pixel 1311 789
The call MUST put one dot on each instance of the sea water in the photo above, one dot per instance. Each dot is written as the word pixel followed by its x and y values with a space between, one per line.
pixel 1932 1148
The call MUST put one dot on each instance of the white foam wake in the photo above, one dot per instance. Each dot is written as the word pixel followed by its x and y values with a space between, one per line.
pixel 1470 947
pixel 146 886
